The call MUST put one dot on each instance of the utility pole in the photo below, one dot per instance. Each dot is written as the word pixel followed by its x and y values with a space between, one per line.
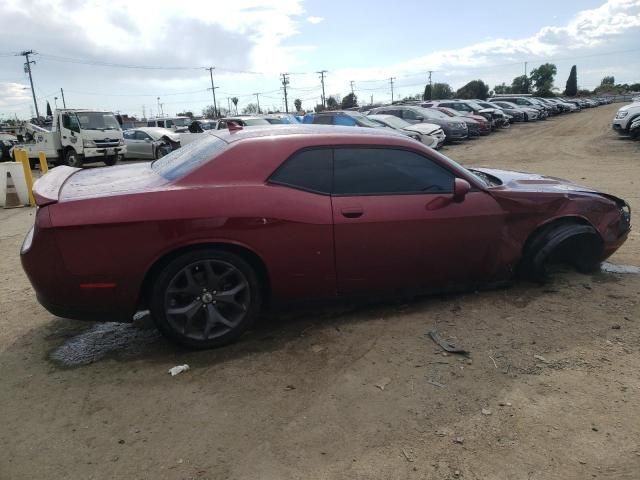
pixel 64 104
pixel 351 82
pixel 55 101
pixel 229 105
pixel 213 91
pixel 526 81
pixel 285 82
pixel 27 69
pixel 144 113
pixel 158 106
pixel 430 85
pixel 372 99
pixel 391 82
pixel 258 100
pixel 324 99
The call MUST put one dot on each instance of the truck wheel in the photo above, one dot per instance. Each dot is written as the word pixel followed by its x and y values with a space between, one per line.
pixel 72 159
pixel 109 161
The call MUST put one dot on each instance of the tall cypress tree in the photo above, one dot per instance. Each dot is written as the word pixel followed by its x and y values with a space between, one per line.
pixel 572 83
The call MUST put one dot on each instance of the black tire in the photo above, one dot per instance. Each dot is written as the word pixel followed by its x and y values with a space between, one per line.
pixel 187 302
pixel 110 161
pixel 631 120
pixel 161 151
pixel 73 159
pixel 568 241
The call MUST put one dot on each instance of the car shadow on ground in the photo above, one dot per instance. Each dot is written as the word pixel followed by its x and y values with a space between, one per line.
pixel 72 344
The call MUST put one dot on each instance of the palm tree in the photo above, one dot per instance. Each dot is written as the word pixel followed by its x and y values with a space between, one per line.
pixel 235 103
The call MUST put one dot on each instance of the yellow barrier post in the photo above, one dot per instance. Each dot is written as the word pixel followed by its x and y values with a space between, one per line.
pixel 22 157
pixel 44 166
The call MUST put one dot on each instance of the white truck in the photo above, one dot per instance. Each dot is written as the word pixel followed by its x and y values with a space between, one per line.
pixel 75 136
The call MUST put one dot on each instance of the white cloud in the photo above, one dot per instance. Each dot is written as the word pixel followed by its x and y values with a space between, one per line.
pixel 315 20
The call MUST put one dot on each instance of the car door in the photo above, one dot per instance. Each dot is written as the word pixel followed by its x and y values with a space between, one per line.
pixel 397 226
pixel 143 145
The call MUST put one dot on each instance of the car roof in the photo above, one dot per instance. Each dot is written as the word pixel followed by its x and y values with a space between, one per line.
pixel 156 130
pixel 287 130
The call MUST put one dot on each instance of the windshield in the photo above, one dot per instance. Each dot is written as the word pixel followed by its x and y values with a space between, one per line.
pixel 432 114
pixel 392 121
pixel 186 159
pixel 97 121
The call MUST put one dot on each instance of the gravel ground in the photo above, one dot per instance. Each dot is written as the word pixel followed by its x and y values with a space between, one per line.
pixel 550 389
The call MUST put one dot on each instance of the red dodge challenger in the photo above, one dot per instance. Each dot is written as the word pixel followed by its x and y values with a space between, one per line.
pixel 207 235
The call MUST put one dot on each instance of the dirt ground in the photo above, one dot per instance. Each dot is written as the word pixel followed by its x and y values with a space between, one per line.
pixel 550 390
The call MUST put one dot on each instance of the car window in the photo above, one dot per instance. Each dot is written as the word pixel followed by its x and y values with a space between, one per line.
pixel 309 170
pixel 129 135
pixel 184 160
pixel 160 123
pixel 383 171
pixel 409 114
pixel 222 124
pixel 345 120
pixel 141 135
pixel 169 123
pixel 150 124
pixel 322 119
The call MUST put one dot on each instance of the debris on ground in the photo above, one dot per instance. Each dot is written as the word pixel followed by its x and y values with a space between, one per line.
pixel 486 411
pixel 288 388
pixel 448 347
pixel 383 383
pixel 459 440
pixel 615 327
pixel 505 404
pixel 541 358
pixel 178 369
pixel 406 455
pixel 613 268
pixel 437 384
pixel 317 348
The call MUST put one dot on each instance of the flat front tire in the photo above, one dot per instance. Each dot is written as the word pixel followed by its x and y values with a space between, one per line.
pixel 205 298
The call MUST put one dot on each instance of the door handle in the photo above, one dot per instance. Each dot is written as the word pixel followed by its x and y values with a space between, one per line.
pixel 352 212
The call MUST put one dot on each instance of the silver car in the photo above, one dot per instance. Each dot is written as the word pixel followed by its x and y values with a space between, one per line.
pixel 430 134
pixel 150 142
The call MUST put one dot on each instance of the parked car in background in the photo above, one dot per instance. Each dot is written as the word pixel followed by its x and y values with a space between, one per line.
pixel 199 126
pixel 454 129
pixel 527 114
pixel 564 106
pixel 476 125
pixel 430 134
pixel 176 124
pixel 634 129
pixel 7 142
pixel 625 117
pixel 522 102
pixel 150 142
pixel 350 118
pixel 243 121
pixel 262 216
pixel 281 118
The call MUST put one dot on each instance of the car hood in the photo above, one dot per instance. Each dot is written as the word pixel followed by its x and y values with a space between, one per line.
pixel 514 182
pixel 423 128
pixel 173 136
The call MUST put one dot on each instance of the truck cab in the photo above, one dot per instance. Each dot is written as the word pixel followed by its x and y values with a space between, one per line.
pixel 75 137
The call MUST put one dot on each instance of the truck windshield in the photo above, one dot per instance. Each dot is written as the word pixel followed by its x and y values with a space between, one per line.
pixel 97 121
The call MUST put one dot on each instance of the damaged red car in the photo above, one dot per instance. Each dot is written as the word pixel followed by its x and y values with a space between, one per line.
pixel 206 236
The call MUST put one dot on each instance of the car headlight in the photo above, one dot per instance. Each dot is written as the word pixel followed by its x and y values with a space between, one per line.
pixel 28 240
pixel 622 114
pixel 88 143
pixel 121 142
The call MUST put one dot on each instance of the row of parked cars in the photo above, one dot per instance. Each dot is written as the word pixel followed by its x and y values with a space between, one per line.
pixel 627 119
pixel 432 122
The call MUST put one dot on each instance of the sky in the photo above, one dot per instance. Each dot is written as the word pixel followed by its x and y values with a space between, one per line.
pixel 123 55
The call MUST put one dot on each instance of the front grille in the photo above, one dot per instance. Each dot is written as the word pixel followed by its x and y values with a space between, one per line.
pixel 107 143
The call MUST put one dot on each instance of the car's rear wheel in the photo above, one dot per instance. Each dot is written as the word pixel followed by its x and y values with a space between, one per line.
pixel 205 298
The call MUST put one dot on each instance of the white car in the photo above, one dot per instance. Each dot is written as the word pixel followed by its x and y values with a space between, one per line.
pixel 150 142
pixel 430 134
pixel 625 117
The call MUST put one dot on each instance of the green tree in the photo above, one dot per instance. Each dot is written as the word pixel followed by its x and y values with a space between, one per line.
pixel 610 80
pixel 209 112
pixel 332 103
pixel 427 92
pixel 298 104
pixel 634 87
pixel 502 88
pixel 542 79
pixel 474 89
pixel 441 91
pixel 186 114
pixel 250 108
pixel 234 100
pixel 572 83
pixel 350 101
pixel 520 84
pixel 49 113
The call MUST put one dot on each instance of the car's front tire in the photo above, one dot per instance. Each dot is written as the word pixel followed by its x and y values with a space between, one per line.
pixel 205 298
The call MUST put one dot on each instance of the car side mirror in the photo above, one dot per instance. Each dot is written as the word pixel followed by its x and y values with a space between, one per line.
pixel 460 189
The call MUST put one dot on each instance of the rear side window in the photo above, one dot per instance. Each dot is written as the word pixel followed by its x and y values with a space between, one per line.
pixel 322 120
pixel 345 120
pixel 309 170
pixel 382 171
